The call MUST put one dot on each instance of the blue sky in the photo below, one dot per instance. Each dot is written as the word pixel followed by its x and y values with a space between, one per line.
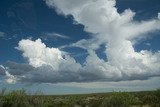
pixel 33 22
pixel 65 46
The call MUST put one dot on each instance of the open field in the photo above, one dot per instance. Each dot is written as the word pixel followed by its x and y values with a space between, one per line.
pixel 20 98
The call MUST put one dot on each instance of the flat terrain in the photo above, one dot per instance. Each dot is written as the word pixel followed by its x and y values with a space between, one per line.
pixel 20 98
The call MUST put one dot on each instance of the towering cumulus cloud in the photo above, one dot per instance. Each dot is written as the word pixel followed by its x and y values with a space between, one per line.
pixel 117 31
pixel 38 54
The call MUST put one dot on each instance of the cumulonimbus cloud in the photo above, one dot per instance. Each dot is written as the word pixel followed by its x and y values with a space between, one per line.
pixel 116 31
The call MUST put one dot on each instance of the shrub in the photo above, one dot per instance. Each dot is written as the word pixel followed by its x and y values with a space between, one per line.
pixel 118 100
pixel 94 103
pixel 15 99
pixel 152 100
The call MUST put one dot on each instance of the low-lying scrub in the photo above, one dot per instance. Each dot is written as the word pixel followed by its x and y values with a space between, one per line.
pixel 119 99
pixel 20 98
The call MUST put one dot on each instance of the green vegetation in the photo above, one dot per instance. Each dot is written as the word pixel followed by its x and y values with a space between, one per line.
pixel 20 98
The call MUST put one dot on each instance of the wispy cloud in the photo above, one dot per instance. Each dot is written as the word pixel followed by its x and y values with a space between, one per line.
pixel 53 36
pixel 2 34
pixel 148 44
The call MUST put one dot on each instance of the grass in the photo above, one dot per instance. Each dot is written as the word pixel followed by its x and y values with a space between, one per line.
pixel 19 98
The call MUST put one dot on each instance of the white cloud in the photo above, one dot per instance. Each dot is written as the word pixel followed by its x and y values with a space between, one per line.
pixel 49 65
pixel 2 70
pixel 53 36
pixel 45 64
pixel 86 44
pixel 116 31
pixel 7 76
pixel 2 34
pixel 38 54
pixel 148 44
pixel 10 78
pixel 158 15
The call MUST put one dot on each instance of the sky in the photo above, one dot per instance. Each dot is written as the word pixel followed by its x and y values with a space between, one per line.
pixel 79 46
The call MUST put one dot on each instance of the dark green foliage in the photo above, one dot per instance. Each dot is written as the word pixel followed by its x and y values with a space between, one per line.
pixel 152 99
pixel 19 98
pixel 15 99
pixel 119 99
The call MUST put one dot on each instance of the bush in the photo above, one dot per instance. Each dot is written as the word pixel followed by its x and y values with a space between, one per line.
pixel 157 93
pixel 15 99
pixel 94 103
pixel 152 100
pixel 118 100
